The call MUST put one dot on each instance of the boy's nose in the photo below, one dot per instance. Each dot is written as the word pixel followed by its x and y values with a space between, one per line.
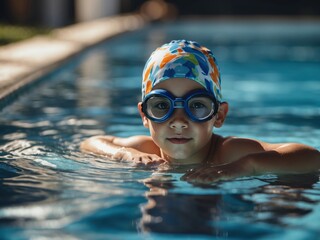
pixel 179 119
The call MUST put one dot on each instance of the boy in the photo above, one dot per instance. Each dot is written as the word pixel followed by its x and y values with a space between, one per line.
pixel 181 104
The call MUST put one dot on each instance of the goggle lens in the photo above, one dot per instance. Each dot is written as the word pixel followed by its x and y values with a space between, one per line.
pixel 158 106
pixel 201 107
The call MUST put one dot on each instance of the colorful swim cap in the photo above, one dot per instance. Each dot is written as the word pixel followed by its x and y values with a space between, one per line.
pixel 182 59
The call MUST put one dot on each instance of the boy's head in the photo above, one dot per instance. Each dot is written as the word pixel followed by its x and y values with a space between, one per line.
pixel 182 59
pixel 181 100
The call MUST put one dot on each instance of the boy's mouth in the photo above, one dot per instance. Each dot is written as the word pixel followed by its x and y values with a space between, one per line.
pixel 179 140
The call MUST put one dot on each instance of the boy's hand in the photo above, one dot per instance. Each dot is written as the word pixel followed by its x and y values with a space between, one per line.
pixel 210 173
pixel 138 158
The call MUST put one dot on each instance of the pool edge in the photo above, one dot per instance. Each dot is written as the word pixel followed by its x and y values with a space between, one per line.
pixel 24 62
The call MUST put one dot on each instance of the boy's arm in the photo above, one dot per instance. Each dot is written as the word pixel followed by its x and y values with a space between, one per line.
pixel 139 149
pixel 286 158
pixel 247 157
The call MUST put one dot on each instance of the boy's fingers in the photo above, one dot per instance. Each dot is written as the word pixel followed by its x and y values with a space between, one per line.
pixel 190 174
pixel 203 175
pixel 195 172
pixel 155 161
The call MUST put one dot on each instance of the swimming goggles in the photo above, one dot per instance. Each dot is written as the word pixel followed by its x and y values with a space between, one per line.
pixel 199 105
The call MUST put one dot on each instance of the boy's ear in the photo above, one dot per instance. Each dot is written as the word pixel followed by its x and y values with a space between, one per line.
pixel 222 114
pixel 143 116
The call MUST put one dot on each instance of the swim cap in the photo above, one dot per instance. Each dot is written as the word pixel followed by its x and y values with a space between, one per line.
pixel 182 59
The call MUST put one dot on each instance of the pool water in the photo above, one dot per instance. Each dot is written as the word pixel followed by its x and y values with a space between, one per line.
pixel 51 190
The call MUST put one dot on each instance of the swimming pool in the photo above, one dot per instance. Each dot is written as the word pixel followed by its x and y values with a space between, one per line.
pixel 49 189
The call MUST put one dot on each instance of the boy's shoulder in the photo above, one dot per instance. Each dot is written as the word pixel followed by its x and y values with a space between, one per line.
pixel 232 148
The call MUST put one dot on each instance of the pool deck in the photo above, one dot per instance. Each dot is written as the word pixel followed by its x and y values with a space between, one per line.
pixel 23 62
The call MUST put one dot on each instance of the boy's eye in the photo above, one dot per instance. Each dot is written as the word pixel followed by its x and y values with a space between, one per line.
pixel 200 107
pixel 161 105
pixel 158 107
pixel 200 102
pixel 197 105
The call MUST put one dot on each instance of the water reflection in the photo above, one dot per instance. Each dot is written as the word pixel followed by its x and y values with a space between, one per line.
pixel 167 212
pixel 265 208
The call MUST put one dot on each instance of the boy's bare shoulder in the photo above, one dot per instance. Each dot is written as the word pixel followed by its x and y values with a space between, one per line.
pixel 230 149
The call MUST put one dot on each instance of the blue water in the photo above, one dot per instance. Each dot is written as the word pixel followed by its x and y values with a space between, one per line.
pixel 50 190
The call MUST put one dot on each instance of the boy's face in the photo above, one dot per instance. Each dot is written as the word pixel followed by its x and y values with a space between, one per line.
pixel 181 140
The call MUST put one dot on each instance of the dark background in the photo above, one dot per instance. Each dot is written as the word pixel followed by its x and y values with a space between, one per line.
pixel 30 12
